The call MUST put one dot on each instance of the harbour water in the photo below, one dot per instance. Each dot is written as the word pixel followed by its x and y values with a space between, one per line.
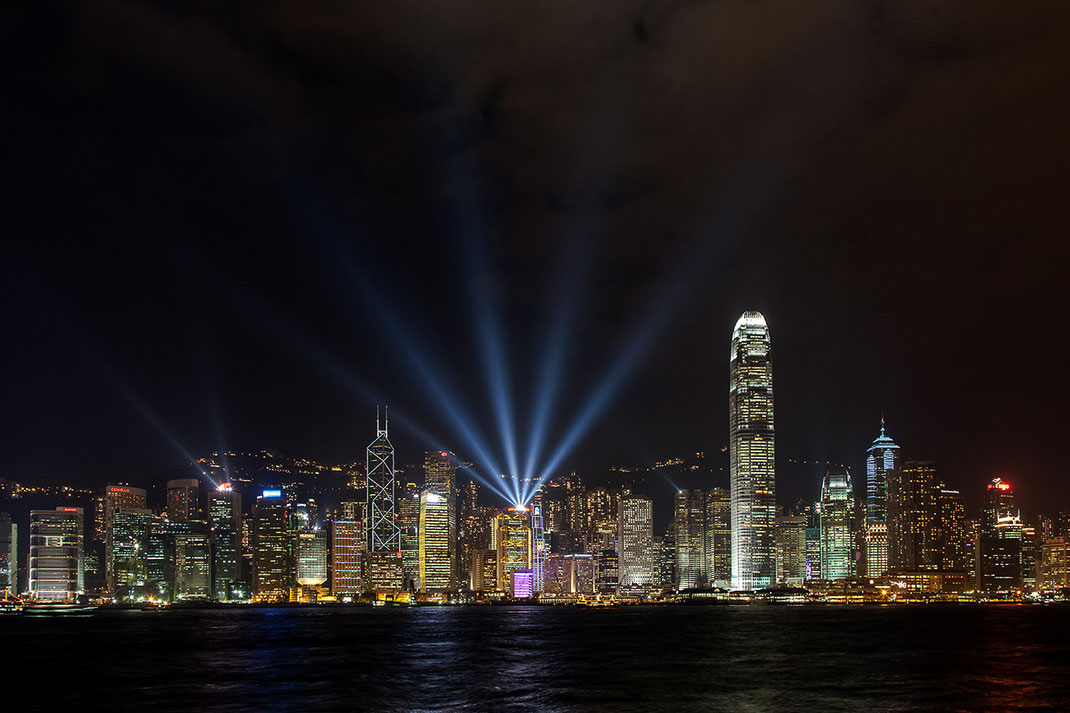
pixel 670 658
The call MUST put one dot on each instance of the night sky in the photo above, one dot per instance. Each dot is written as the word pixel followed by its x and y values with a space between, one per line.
pixel 234 223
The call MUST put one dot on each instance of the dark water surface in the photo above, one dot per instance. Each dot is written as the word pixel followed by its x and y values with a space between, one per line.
pixel 815 659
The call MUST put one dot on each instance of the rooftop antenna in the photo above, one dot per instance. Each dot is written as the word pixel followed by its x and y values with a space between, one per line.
pixel 882 423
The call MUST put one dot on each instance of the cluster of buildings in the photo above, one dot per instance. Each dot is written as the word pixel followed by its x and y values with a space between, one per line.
pixel 429 536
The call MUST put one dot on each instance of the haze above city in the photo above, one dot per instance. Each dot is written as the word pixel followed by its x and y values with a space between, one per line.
pixel 211 254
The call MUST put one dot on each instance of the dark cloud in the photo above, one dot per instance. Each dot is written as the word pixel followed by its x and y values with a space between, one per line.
pixel 886 180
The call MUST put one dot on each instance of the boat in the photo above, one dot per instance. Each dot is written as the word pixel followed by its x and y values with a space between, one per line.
pixel 57 608
pixel 10 604
pixel 597 601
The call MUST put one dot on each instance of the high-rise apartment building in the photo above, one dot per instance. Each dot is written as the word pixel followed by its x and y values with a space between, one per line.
pixel 751 453
pixel 56 543
pixel 1054 569
pixel 635 542
pixel 882 459
pixel 837 543
pixel 183 497
pixel 225 519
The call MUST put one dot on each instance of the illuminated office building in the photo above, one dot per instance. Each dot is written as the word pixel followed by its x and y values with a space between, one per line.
pixel 484 571
pixel 408 509
pixel 436 543
pixel 56 544
pixel 751 453
pixel 311 557
pixel 951 532
pixel 635 542
pixel 790 539
pixel 1000 541
pixel 813 553
pixel 384 559
pixel 689 524
pixel 193 560
pixel 117 497
pixel 225 521
pixel 512 545
pixel 718 538
pixel 606 572
pixel 347 544
pixel 9 541
pixel 882 459
pixel 440 473
pixel 913 517
pixel 1030 557
pixel 837 547
pixel 1054 568
pixel 182 500
pixel 130 539
pixel 272 547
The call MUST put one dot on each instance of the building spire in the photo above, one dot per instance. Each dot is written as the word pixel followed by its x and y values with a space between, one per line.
pixel 377 418
pixel 882 423
pixel 386 420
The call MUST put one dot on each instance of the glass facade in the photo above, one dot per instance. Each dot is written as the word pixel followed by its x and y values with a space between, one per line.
pixel 837 545
pixel 751 453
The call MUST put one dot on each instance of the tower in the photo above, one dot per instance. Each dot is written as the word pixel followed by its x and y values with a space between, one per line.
pixel 635 542
pixel 383 533
pixel 882 459
pixel 182 500
pixel 1000 538
pixel 751 453
pixel 224 515
pixel 56 540
pixel 837 502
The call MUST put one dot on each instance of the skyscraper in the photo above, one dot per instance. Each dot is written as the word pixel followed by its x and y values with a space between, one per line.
pixel 690 529
pixel 193 560
pixel 790 540
pixel 224 515
pixel 56 540
pixel 272 548
pixel 751 453
pixel 882 459
pixel 1000 541
pixel 512 544
pixel 436 564
pixel 635 542
pixel 130 537
pixel 9 540
pixel 913 517
pixel 117 497
pixel 718 554
pixel 384 536
pixel 182 500
pixel 837 502
pixel 440 478
pixel 347 544
pixel 311 557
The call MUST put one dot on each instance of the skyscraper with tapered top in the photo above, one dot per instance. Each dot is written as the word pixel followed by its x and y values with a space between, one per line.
pixel 383 560
pixel 383 532
pixel 882 459
pixel 751 453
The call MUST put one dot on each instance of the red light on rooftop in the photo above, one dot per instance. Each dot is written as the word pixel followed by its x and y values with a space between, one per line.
pixel 1004 486
pixel 444 454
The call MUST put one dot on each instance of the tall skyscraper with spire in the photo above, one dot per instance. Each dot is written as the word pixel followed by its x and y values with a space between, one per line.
pixel 382 530
pixel 751 453
pixel 882 459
